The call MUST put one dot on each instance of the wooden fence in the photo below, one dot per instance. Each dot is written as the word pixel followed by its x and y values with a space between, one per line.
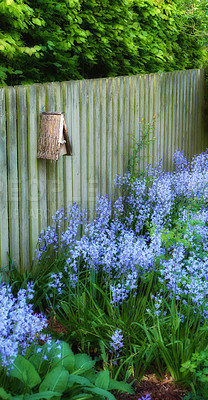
pixel 100 115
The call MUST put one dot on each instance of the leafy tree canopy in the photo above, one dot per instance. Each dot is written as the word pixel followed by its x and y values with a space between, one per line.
pixel 72 39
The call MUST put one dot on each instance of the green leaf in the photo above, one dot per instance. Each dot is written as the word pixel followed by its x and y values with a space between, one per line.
pixel 36 21
pixel 90 375
pixel 83 363
pixel 4 395
pixel 101 392
pixel 122 386
pixel 80 380
pixel 102 380
pixel 67 357
pixel 56 380
pixel 25 372
pixel 42 395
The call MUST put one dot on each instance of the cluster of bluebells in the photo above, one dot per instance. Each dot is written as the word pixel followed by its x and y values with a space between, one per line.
pixel 56 282
pixel 117 342
pixel 125 239
pixel 55 236
pixel 19 325
pixel 50 350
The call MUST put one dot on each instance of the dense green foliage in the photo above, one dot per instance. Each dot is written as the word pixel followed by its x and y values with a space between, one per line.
pixel 52 371
pixel 73 39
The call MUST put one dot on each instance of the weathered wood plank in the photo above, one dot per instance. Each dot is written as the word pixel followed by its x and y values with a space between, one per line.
pixel 91 147
pixel 42 180
pixel 114 130
pixel 75 129
pixel 32 168
pixel 126 122
pixel 104 169
pixel 97 137
pixel 121 148
pixel 13 184
pixel 109 126
pixel 23 175
pixel 51 165
pixel 4 228
pixel 60 162
pixel 68 161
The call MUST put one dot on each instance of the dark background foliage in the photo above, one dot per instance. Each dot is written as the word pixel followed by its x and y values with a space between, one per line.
pixel 44 41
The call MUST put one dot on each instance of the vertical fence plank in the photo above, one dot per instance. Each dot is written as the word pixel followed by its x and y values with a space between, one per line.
pixel 23 175
pixel 32 168
pixel 190 130
pixel 142 118
pixel 103 117
pixel 109 124
pixel 51 165
pixel 158 118
pixel 60 162
pixel 84 143
pixel 174 112
pixel 97 141
pixel 4 228
pixel 126 121
pixel 13 190
pixel 76 178
pixel 201 142
pixel 162 119
pixel 168 134
pixel 185 128
pixel 121 147
pixel 150 119
pixel 42 174
pixel 68 161
pixel 114 130
pixel 194 118
pixel 90 148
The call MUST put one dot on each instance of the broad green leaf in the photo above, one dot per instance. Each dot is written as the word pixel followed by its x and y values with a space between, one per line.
pixel 42 395
pixel 122 386
pixel 23 370
pixel 101 392
pixel 80 380
pixel 36 360
pixel 4 395
pixel 90 375
pixel 67 359
pixel 83 362
pixel 102 380
pixel 56 380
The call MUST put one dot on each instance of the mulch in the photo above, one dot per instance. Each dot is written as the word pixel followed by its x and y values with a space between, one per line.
pixel 158 390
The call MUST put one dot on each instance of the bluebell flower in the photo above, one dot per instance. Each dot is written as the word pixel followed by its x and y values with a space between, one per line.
pixel 146 397
pixel 19 325
pixel 117 341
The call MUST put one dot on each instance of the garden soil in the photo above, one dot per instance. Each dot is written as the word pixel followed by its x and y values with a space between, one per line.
pixel 158 390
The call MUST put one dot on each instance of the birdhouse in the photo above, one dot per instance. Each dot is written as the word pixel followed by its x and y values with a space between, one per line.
pixel 54 140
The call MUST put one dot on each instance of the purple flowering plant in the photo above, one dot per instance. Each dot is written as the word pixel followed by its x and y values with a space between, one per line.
pixel 142 259
pixel 20 327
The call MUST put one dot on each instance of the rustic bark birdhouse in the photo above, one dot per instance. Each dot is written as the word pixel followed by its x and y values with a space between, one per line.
pixel 53 141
